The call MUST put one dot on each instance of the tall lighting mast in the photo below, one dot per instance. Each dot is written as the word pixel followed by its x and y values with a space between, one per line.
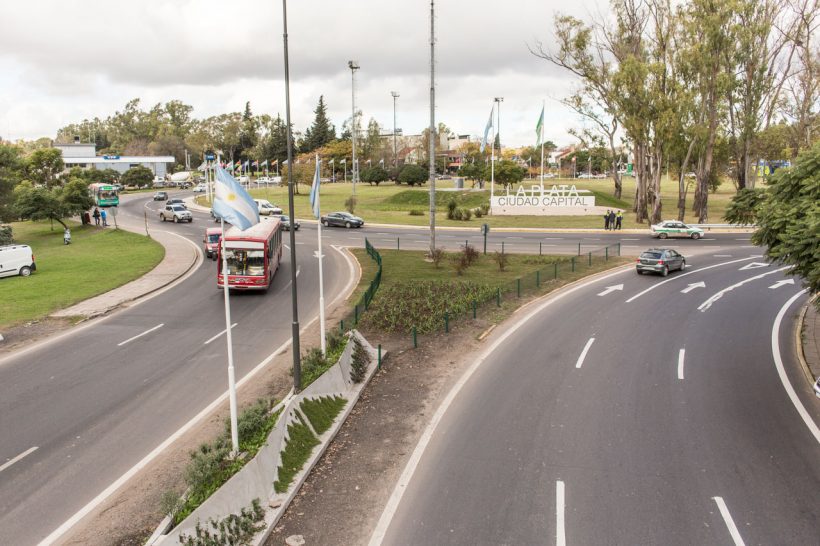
pixel 395 155
pixel 432 139
pixel 354 66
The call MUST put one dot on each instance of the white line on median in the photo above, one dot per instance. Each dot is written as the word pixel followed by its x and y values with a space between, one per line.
pixel 27 452
pixel 560 507
pixel 584 352
pixel 781 371
pixel 681 354
pixel 220 333
pixel 703 307
pixel 727 517
pixel 157 327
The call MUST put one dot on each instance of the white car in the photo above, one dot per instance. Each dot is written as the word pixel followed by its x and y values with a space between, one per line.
pixel 266 208
pixel 244 179
pixel 200 188
pixel 264 180
pixel 16 260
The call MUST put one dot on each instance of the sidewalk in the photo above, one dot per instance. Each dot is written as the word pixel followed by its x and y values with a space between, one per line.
pixel 181 256
pixel 809 339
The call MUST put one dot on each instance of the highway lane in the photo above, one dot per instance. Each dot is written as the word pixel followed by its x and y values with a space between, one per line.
pixel 96 402
pixel 557 439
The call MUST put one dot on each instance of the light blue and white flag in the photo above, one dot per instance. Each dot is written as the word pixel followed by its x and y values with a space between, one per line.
pixel 232 203
pixel 264 163
pixel 539 128
pixel 314 191
pixel 332 161
pixel 343 161
pixel 285 162
pixel 487 130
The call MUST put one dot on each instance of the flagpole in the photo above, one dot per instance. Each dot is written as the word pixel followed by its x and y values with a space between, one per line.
pixel 231 373
pixel 321 256
pixel 541 137
pixel 492 166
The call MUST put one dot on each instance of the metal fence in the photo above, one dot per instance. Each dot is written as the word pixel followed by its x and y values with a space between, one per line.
pixel 352 318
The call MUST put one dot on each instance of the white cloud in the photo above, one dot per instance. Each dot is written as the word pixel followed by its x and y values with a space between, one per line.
pixel 64 61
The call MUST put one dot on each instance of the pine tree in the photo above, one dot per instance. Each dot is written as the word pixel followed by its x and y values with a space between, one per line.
pixel 321 132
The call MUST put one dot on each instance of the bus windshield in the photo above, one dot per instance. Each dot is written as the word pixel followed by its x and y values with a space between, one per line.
pixel 245 262
pixel 213 238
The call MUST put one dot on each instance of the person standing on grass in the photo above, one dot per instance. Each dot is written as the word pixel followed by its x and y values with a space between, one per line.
pixel 618 219
pixel 606 219
pixel 96 216
pixel 103 217
pixel 612 220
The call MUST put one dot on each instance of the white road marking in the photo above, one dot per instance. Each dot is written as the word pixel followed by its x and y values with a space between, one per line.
pixel 403 482
pixel 286 247
pixel 611 289
pixel 514 237
pixel 676 277
pixel 630 239
pixel 703 307
pixel 681 355
pixel 157 327
pixel 778 284
pixel 560 508
pixel 27 452
pixel 220 333
pixel 692 286
pixel 744 239
pixel 727 517
pixel 753 265
pixel 584 352
pixel 721 255
pixel 781 370
pixel 553 238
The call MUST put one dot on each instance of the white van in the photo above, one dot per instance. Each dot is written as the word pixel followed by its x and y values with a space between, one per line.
pixel 266 208
pixel 16 260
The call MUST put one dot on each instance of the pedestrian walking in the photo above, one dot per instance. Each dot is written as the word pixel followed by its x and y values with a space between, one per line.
pixel 96 216
pixel 606 219
pixel 618 219
pixel 612 220
pixel 103 217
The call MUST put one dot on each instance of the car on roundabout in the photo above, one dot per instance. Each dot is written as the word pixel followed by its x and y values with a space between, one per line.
pixel 660 260
pixel 285 219
pixel 161 196
pixel 676 228
pixel 341 219
pixel 176 201
pixel 175 213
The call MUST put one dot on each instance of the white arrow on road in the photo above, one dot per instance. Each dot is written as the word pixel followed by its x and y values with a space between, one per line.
pixel 778 284
pixel 753 265
pixel 611 289
pixel 692 286
pixel 317 255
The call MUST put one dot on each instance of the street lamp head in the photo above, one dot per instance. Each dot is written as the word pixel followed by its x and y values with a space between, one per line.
pixel 395 94
pixel 499 99
pixel 354 65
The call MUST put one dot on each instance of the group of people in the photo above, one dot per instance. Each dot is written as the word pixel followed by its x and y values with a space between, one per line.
pixel 100 216
pixel 612 219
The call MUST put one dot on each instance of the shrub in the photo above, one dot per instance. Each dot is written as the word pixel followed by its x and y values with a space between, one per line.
pixel 6 235
pixel 350 204
pixel 170 503
pixel 466 214
pixel 412 174
pixel 416 212
pixel 436 256
pixel 234 529
pixel 470 254
pixel 460 263
pixel 359 362
pixel 458 214
pixel 478 213
pixel 451 209
pixel 501 259
pixel 485 209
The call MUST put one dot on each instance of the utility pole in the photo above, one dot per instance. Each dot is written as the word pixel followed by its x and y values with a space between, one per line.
pixel 354 66
pixel 432 137
pixel 297 365
pixel 395 155
pixel 498 101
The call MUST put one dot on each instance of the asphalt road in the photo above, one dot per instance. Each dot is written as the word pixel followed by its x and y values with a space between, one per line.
pixel 94 403
pixel 671 426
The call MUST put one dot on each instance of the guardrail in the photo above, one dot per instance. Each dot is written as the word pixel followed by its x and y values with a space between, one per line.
pixel 725 226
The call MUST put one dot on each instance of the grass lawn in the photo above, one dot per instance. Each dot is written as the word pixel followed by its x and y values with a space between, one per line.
pixel 96 261
pixel 391 204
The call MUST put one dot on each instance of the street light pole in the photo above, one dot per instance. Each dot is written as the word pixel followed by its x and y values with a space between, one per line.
pixel 432 136
pixel 354 66
pixel 395 156
pixel 498 101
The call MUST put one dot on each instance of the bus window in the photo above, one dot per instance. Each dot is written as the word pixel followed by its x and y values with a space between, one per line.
pixel 246 262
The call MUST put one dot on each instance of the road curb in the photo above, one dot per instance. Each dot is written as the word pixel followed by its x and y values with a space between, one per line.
pixel 798 342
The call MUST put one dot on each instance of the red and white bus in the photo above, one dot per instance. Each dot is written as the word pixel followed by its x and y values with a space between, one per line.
pixel 252 255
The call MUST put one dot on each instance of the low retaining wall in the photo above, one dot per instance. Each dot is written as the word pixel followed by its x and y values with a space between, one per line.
pixel 256 478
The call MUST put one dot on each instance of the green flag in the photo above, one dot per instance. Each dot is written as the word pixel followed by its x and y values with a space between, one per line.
pixel 539 128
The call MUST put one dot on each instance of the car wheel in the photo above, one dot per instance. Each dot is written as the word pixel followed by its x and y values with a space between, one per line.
pixel 162 217
pixel 683 265
pixel 324 223
pixel 665 271
pixel 176 219
pixel 25 271
pixel 640 272
pixel 662 236
pixel 696 236
pixel 190 220
pixel 347 225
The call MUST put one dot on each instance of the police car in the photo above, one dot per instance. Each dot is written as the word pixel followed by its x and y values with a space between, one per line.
pixel 675 228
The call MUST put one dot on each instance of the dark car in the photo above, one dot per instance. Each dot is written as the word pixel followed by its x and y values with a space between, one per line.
pixel 161 196
pixel 660 260
pixel 285 219
pixel 342 219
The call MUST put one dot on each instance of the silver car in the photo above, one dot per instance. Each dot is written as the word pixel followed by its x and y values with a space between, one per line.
pixel 660 260
pixel 177 213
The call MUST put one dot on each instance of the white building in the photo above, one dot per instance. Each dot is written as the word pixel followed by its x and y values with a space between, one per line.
pixel 82 155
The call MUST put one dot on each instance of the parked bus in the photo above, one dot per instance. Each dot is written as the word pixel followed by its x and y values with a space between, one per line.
pixel 252 255
pixel 104 195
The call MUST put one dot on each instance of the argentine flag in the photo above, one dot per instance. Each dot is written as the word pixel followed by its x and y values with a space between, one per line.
pixel 314 191
pixel 487 130
pixel 232 203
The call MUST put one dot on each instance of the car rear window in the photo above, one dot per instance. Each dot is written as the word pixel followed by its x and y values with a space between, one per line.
pixel 651 255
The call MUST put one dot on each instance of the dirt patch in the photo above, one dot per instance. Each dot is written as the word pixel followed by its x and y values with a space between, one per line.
pixel 16 337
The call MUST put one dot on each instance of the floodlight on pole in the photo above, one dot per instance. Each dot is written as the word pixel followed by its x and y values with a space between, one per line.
pixel 354 66
pixel 498 101
pixel 395 155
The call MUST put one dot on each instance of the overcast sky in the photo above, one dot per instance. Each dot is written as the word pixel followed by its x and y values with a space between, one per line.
pixel 63 61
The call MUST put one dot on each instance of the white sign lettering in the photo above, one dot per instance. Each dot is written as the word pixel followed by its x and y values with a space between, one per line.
pixel 538 200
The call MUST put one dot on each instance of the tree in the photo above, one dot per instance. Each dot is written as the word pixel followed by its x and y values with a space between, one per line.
pixel 508 173
pixel 43 166
pixel 138 176
pixel 789 218
pixel 74 198
pixel 412 174
pixel 321 132
pixel 11 171
pixel 745 206
pixel 248 133
pixel 373 175
pixel 40 203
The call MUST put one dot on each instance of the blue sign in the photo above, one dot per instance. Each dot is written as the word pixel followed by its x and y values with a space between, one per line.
pixel 210 157
pixel 111 157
